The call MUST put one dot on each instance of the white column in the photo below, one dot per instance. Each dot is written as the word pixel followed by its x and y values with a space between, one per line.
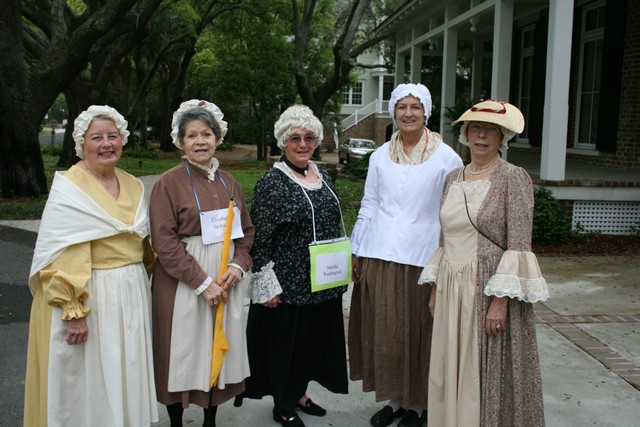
pixel 502 40
pixel 556 96
pixel 380 92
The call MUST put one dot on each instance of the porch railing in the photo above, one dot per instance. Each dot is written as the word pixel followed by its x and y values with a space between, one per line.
pixel 364 112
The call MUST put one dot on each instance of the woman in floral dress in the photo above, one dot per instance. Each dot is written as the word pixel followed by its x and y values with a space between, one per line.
pixel 485 369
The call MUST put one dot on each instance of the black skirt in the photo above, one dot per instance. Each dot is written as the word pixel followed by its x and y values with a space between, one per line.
pixel 291 345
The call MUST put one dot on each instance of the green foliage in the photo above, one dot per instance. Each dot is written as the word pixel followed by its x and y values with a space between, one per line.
pixel 21 209
pixel 244 64
pixel 550 223
pixel 454 113
pixel 350 192
pixel 635 229
pixel 139 152
pixel 51 149
pixel 58 110
pixel 225 146
pixel 357 169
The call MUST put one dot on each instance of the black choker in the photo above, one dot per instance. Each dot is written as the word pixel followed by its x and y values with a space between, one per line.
pixel 298 169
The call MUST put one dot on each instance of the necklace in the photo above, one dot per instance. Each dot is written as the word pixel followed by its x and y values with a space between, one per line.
pixel 298 169
pixel 489 166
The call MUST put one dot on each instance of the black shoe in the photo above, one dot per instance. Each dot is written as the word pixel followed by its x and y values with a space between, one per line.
pixel 312 409
pixel 293 421
pixel 385 416
pixel 411 419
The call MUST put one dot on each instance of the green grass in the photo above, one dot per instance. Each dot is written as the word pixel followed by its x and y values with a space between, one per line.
pixel 349 190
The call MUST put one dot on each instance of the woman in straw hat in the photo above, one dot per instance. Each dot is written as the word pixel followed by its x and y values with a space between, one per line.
pixel 484 360
pixel 188 203
pixel 396 233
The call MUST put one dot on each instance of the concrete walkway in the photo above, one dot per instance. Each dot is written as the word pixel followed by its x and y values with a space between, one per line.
pixel 588 338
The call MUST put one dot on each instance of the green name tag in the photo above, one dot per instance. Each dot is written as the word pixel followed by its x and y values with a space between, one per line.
pixel 330 264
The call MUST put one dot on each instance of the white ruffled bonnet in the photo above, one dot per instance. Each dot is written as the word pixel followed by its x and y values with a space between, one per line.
pixel 403 90
pixel 195 103
pixel 84 119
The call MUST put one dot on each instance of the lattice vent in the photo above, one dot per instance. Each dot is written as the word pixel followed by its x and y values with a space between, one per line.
pixel 606 217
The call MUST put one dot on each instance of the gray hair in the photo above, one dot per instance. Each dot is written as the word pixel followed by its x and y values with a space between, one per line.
pixel 297 117
pixel 198 113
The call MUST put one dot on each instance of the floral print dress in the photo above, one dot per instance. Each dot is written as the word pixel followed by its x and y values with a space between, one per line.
pixel 476 379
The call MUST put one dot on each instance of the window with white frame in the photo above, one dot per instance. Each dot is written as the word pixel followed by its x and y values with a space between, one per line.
pixel 592 39
pixel 352 95
pixel 525 90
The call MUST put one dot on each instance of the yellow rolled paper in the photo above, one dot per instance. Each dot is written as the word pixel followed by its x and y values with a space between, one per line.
pixel 220 345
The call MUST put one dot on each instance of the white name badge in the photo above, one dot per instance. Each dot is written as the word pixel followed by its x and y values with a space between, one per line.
pixel 213 223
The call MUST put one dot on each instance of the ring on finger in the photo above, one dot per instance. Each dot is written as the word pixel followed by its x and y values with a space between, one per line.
pixel 498 326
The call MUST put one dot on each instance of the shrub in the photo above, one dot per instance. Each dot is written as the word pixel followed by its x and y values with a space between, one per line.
pixel 550 223
pixel 52 149
pixel 357 169
pixel 139 152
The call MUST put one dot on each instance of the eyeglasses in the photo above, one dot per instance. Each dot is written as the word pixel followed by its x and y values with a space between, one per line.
pixel 489 130
pixel 308 139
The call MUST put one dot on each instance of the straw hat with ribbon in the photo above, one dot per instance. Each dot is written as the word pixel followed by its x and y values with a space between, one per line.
pixel 503 114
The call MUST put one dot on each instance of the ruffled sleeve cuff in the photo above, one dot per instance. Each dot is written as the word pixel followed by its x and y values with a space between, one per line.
pixel 430 272
pixel 74 310
pixel 265 285
pixel 518 276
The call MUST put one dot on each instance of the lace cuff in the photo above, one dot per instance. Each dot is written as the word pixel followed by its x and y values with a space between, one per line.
pixel 430 272
pixel 265 285
pixel 527 290
pixel 74 310
pixel 518 276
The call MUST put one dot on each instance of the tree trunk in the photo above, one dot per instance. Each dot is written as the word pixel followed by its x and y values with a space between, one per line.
pixel 21 166
pixel 22 169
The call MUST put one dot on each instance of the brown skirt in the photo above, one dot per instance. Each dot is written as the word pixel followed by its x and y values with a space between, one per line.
pixel 390 332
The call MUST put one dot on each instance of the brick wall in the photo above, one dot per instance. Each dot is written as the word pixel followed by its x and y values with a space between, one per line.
pixel 373 127
pixel 627 154
pixel 628 149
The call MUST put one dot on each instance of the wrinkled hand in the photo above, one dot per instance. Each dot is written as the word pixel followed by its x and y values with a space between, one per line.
pixel 497 316
pixel 77 331
pixel 214 294
pixel 273 302
pixel 355 264
pixel 432 298
pixel 231 277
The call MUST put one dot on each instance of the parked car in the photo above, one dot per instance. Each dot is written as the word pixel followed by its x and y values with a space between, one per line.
pixel 354 149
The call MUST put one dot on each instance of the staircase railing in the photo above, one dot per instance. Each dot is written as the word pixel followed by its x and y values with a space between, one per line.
pixel 364 112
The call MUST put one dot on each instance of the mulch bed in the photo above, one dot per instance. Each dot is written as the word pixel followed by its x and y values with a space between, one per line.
pixel 592 245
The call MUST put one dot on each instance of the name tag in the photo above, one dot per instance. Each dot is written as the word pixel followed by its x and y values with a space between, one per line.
pixel 213 223
pixel 330 264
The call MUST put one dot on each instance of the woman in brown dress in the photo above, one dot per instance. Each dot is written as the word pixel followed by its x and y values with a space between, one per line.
pixel 188 203
pixel 396 233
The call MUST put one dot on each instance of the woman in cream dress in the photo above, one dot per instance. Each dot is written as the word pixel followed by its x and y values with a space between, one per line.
pixel 89 361
pixel 485 369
